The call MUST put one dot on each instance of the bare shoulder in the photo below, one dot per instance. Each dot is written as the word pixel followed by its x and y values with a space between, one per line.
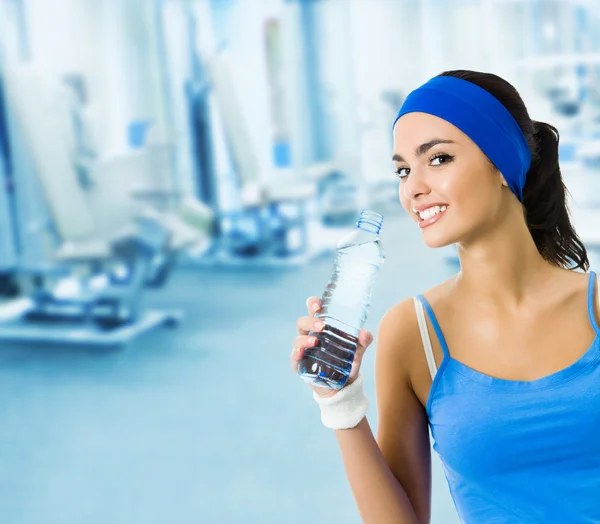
pixel 568 292
pixel 399 343
pixel 572 278
pixel 396 338
pixel 570 285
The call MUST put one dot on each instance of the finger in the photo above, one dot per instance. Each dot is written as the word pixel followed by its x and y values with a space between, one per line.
pixel 300 343
pixel 303 341
pixel 365 338
pixel 307 324
pixel 362 347
pixel 303 325
pixel 313 304
pixel 357 363
pixel 295 357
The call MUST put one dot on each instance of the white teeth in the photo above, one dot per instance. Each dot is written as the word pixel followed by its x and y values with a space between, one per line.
pixel 429 212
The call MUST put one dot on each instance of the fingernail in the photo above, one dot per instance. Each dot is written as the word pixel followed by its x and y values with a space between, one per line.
pixel 311 340
pixel 319 324
pixel 315 306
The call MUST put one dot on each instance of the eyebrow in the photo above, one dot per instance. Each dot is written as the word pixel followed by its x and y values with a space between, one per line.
pixel 423 148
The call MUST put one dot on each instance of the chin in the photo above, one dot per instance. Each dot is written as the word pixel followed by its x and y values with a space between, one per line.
pixel 439 237
pixel 438 241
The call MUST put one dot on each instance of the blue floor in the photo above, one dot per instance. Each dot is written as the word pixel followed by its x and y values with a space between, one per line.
pixel 204 423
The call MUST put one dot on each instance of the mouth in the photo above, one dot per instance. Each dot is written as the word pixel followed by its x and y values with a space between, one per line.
pixel 430 215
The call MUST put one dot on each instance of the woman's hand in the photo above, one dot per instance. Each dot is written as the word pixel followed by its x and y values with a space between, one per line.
pixel 303 340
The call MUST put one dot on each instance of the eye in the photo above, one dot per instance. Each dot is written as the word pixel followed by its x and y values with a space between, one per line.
pixel 440 158
pixel 402 172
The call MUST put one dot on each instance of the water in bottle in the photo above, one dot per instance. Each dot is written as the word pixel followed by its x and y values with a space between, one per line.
pixel 345 304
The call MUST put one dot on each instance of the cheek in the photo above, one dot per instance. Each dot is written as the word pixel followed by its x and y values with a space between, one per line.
pixel 473 193
pixel 466 181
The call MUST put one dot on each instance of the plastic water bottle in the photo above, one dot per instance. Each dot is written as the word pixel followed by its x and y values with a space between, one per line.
pixel 345 304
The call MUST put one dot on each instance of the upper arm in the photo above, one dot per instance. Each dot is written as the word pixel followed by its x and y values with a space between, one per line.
pixel 403 433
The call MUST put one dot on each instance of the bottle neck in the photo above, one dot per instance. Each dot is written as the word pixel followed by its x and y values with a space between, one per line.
pixel 370 221
pixel 369 227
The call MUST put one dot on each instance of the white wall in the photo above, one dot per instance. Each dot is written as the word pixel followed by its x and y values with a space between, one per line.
pixel 243 31
pixel 388 55
pixel 111 42
pixel 9 32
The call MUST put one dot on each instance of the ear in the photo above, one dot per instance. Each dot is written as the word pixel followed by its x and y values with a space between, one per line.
pixel 504 182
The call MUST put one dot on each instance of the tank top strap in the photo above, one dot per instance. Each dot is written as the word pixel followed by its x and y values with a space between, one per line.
pixel 591 301
pixel 435 324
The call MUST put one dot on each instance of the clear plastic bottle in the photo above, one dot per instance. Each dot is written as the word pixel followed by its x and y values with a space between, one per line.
pixel 345 305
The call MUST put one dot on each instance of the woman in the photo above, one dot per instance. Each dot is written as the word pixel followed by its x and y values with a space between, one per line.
pixel 506 372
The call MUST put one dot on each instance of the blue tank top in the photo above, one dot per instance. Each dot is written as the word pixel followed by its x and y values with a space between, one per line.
pixel 517 452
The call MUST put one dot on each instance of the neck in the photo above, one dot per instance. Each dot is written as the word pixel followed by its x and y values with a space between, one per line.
pixel 504 268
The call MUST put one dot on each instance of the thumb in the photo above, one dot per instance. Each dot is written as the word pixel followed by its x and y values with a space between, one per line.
pixel 365 338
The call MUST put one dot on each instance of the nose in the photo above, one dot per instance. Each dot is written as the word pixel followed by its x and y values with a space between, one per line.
pixel 415 186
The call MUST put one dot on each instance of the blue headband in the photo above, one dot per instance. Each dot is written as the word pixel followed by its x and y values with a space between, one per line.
pixel 482 118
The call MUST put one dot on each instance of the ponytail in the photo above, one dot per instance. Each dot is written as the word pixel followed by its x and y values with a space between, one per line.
pixel 544 194
pixel 545 203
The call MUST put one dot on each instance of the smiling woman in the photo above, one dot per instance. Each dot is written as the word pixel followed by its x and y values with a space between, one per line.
pixel 477 172
pixel 505 373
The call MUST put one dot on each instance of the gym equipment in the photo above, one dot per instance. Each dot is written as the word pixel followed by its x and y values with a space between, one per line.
pixel 262 222
pixel 260 218
pixel 88 290
pixel 102 305
pixel 8 246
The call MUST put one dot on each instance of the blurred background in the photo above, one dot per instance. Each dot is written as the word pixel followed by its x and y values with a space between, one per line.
pixel 175 176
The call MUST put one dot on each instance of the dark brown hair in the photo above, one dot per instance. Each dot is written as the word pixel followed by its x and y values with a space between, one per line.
pixel 544 194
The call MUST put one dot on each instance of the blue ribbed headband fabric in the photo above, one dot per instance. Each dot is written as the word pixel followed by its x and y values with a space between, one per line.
pixel 482 117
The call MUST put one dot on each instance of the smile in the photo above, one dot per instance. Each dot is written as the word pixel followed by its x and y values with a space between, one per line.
pixel 431 215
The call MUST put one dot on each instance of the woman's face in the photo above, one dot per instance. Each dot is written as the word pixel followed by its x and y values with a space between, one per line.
pixel 438 165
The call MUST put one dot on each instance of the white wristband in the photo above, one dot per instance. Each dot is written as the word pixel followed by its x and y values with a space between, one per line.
pixel 346 408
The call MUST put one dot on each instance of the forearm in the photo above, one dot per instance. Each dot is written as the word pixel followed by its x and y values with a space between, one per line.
pixel 378 494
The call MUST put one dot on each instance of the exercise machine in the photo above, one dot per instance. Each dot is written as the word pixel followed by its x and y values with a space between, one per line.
pixel 80 283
